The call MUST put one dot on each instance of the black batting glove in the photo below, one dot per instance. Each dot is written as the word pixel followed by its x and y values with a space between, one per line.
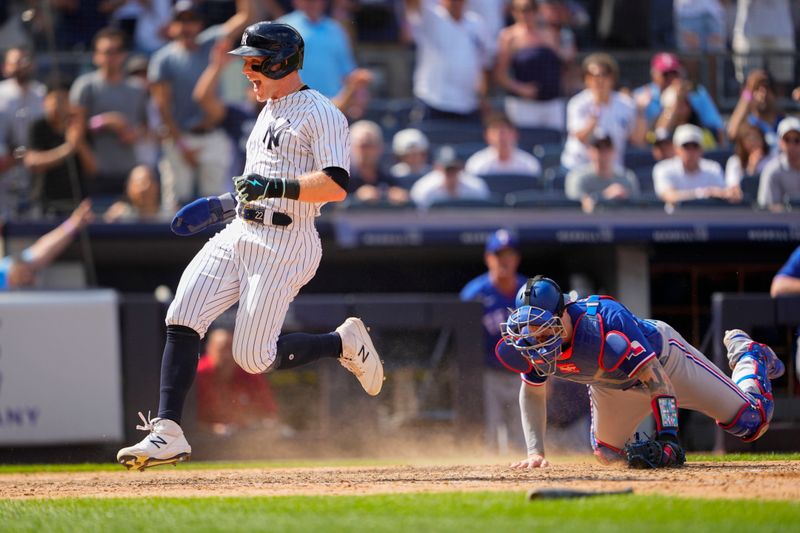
pixel 253 187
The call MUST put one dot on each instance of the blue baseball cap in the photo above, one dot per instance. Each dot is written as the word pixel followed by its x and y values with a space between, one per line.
pixel 500 239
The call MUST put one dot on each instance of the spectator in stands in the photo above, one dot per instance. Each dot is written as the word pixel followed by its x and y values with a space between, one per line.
pixel 666 71
pixel 148 146
pixel 677 110
pixel 796 94
pixel 602 179
pixel 662 147
pixel 700 25
pixel 758 106
pixel 452 58
pixel 528 68
pixel 763 37
pixel 751 154
pixel 196 154
pixel 142 202
pixel 228 398
pixel 780 179
pixel 328 59
pixel 235 118
pixel 58 155
pixel 410 147
pixel 20 271
pixel 144 22
pixel 502 156
pixel 496 290
pixel 785 283
pixel 21 102
pixel 688 176
pixel 369 181
pixel 600 106
pixel 354 98
pixel 113 107
pixel 448 181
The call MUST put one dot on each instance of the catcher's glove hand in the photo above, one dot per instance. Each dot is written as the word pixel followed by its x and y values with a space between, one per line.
pixel 659 453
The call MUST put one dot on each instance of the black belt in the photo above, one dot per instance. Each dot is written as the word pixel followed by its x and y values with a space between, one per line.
pixel 257 213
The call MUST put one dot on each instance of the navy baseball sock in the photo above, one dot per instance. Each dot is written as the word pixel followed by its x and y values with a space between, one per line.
pixel 178 367
pixel 298 349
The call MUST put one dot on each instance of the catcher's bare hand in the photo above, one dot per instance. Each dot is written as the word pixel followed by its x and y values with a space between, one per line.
pixel 533 461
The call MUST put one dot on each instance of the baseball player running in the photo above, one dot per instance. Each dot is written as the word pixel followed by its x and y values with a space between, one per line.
pixel 633 367
pixel 297 159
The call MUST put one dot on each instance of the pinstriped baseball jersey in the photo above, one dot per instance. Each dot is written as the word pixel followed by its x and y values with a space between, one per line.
pixel 263 266
pixel 294 135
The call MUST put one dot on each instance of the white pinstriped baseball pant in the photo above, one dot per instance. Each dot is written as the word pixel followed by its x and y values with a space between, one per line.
pixel 261 266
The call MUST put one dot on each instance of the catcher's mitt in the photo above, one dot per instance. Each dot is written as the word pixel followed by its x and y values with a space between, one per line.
pixel 654 454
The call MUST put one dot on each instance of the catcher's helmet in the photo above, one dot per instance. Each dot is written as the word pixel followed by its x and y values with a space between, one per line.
pixel 537 335
pixel 280 45
pixel 542 292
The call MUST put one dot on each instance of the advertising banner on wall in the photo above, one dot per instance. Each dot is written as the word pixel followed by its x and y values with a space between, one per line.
pixel 60 377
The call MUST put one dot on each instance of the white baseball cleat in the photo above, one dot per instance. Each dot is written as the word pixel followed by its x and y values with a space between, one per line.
pixel 775 367
pixel 165 445
pixel 359 355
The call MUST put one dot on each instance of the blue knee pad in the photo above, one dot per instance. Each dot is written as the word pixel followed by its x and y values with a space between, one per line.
pixel 752 420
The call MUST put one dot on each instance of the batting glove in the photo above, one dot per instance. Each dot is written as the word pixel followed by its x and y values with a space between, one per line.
pixel 254 187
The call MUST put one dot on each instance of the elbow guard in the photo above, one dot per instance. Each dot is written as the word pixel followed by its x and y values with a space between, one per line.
pixel 338 175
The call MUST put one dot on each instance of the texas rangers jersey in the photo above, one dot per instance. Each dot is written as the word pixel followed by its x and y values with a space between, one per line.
pixel 495 310
pixel 609 345
pixel 294 135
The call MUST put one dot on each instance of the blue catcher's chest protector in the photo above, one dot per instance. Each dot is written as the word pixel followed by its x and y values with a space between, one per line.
pixel 594 357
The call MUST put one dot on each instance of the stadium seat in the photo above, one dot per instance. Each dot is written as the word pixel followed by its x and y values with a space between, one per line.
pixel 637 158
pixel 644 175
pixel 749 185
pixel 708 203
pixel 720 156
pixel 451 132
pixel 530 137
pixel 470 203
pixel 554 178
pixel 643 202
pixel 467 149
pixel 541 200
pixel 506 183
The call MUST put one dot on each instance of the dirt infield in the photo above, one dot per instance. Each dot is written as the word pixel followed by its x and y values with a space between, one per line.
pixel 779 480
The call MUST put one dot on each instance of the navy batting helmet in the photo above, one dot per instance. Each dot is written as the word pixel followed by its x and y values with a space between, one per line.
pixel 542 292
pixel 280 45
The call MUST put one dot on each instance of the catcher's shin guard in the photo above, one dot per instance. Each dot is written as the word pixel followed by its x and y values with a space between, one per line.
pixel 751 376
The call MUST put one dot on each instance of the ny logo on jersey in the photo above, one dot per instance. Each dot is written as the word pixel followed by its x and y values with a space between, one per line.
pixel 363 353
pixel 274 131
pixel 636 350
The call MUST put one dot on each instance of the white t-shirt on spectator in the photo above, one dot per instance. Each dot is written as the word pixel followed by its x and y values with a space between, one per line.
pixel 617 118
pixel 486 161
pixel 734 171
pixel 670 174
pixel 430 188
pixel 451 57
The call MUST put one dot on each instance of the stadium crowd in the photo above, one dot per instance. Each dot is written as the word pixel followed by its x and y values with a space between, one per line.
pixel 518 103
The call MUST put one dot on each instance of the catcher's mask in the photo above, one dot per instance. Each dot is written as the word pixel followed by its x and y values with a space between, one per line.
pixel 280 46
pixel 535 334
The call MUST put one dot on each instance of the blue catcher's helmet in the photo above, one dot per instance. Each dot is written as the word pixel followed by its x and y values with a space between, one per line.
pixel 536 334
pixel 542 292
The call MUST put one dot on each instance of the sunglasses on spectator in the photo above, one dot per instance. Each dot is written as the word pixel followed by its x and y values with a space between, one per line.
pixel 690 146
pixel 603 145
pixel 791 140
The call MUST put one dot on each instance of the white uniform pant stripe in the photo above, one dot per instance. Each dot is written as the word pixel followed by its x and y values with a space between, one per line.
pixel 698 385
